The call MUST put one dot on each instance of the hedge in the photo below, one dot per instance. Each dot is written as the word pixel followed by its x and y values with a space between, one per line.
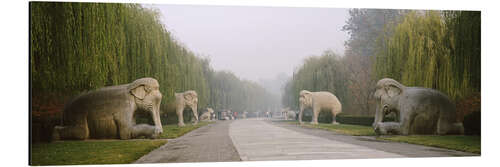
pixel 326 117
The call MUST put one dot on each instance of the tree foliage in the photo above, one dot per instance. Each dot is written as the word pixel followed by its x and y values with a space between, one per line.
pixel 365 26
pixel 439 50
pixel 77 47
pixel 318 73
pixel 434 49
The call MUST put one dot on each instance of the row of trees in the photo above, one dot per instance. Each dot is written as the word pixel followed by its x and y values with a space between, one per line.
pixel 318 73
pixel 440 50
pixel 240 95
pixel 434 49
pixel 77 47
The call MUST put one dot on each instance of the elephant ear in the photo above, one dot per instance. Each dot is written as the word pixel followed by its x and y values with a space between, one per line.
pixel 393 89
pixel 139 92
pixel 307 96
pixel 190 96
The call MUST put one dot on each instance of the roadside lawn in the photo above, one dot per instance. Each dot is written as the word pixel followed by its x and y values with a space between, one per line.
pixel 103 151
pixel 92 151
pixel 470 144
pixel 174 131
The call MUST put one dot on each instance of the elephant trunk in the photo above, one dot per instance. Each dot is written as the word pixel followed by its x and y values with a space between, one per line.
pixel 156 119
pixel 195 113
pixel 379 115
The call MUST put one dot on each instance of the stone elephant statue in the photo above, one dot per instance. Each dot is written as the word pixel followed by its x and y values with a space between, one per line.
pixel 207 115
pixel 318 101
pixel 290 115
pixel 109 112
pixel 418 110
pixel 186 99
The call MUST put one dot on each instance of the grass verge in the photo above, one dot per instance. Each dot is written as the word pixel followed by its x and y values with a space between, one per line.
pixel 354 130
pixel 103 151
pixel 91 152
pixel 470 144
pixel 174 131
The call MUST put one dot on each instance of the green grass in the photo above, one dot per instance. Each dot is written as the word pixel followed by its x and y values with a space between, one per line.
pixel 91 152
pixel 470 144
pixel 174 131
pixel 355 130
pixel 103 151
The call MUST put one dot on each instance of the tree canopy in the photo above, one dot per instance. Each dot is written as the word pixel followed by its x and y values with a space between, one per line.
pixel 77 47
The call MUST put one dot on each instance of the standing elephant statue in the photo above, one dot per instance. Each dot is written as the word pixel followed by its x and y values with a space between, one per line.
pixel 418 110
pixel 186 99
pixel 319 101
pixel 207 115
pixel 109 112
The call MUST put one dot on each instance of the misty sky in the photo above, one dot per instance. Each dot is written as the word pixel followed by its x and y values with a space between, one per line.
pixel 256 42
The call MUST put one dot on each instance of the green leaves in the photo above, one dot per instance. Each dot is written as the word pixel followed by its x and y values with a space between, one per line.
pixel 76 47
pixel 318 73
pixel 439 50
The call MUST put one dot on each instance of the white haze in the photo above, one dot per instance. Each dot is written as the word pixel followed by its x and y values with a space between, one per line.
pixel 262 44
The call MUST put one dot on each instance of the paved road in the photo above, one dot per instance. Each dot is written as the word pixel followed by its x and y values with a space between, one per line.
pixel 210 143
pixel 404 149
pixel 257 139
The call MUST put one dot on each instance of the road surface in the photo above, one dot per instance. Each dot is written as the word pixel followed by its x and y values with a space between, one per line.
pixel 260 139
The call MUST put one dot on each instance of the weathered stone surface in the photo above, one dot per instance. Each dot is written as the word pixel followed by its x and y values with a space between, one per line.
pixel 108 112
pixel 419 110
pixel 318 101
pixel 186 99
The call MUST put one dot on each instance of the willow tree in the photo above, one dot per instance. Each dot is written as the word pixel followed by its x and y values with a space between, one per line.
pixel 433 49
pixel 77 47
pixel 318 73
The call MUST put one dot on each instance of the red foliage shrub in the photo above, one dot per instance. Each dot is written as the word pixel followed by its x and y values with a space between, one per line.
pixel 468 105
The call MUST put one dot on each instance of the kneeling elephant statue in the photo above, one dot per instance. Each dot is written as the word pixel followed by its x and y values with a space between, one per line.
pixel 109 112
pixel 190 99
pixel 418 110
pixel 206 116
pixel 319 101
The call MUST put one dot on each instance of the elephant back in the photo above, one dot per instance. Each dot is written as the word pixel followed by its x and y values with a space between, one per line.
pixel 96 102
pixel 324 96
pixel 150 82
pixel 426 96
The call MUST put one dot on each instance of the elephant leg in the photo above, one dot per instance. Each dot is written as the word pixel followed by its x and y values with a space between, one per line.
pixel 447 127
pixel 79 130
pixel 404 126
pixel 195 113
pixel 315 116
pixel 334 118
pixel 180 116
pixel 124 128
pixel 300 117
pixel 143 130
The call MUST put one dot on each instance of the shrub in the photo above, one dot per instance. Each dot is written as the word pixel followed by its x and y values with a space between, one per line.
pixel 472 123
pixel 42 127
pixel 355 120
